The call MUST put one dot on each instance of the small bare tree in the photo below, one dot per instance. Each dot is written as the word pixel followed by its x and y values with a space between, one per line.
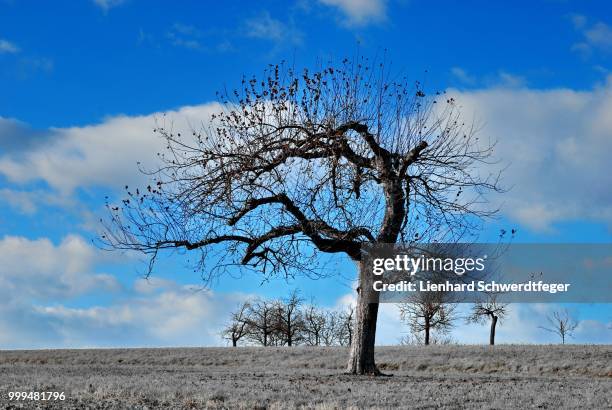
pixel 428 312
pixel 345 330
pixel 289 323
pixel 561 323
pixel 489 309
pixel 314 325
pixel 261 322
pixel 419 339
pixel 239 325
pixel 331 330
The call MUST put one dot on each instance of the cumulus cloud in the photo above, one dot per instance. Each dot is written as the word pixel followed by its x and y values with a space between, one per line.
pixel 18 136
pixel 172 316
pixel 28 202
pixel 23 201
pixel 40 278
pixel 104 154
pixel 553 142
pixel 359 12
pixel 42 270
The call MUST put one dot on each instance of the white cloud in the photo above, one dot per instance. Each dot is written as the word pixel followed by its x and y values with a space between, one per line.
pixel 6 47
pixel 510 80
pixel 39 279
pixel 359 12
pixel 501 79
pixel 553 140
pixel 266 27
pixel 462 75
pixel 173 316
pixel 42 270
pixel 29 202
pixel 182 35
pixel 104 154
pixel 556 143
pixel 23 201
pixel 600 36
pixel 176 317
pixel 596 36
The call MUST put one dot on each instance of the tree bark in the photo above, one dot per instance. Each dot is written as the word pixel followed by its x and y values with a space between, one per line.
pixel 492 334
pixel 427 327
pixel 234 342
pixel 361 360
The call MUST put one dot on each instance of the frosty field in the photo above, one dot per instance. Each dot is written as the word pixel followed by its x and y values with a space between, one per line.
pixel 502 377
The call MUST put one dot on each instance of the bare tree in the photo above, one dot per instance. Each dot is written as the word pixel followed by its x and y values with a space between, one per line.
pixel 331 330
pixel 428 312
pixel 489 309
pixel 261 322
pixel 289 323
pixel 239 325
pixel 328 327
pixel 413 338
pixel 314 325
pixel 345 330
pixel 302 163
pixel 561 323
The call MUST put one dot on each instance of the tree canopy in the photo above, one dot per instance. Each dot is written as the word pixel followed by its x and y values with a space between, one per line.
pixel 298 163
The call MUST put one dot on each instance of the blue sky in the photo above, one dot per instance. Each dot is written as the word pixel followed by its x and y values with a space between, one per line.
pixel 83 81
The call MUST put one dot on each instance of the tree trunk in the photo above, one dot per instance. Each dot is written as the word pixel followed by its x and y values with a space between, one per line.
pixel 427 328
pixel 364 336
pixel 492 334
pixel 234 342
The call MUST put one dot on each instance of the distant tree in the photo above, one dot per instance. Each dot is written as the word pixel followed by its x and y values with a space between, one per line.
pixel 414 338
pixel 345 330
pixel 488 310
pixel 314 325
pixel 289 321
pixel 261 322
pixel 239 325
pixel 561 323
pixel 328 327
pixel 428 312
pixel 296 164
pixel 331 330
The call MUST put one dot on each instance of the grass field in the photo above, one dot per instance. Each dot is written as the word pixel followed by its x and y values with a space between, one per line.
pixel 502 377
